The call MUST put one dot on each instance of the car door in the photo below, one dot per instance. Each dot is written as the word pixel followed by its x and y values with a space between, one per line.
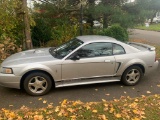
pixel 94 60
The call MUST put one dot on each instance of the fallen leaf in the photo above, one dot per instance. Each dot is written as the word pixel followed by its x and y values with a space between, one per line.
pixel 125 92
pixel 158 85
pixel 143 96
pixel 148 92
pixel 44 102
pixel 107 94
pixel 12 115
pixel 62 112
pixel 88 107
pixel 38 117
pixel 96 89
pixel 106 105
pixel 102 117
pixel 156 95
pixel 135 111
pixel 135 118
pixel 73 117
pixel 40 99
pixel 10 105
pixel 111 110
pixel 70 110
pixel 94 111
pixel 104 100
pixel 136 100
pixel 118 115
pixel 64 102
pixel 57 109
pixel 50 106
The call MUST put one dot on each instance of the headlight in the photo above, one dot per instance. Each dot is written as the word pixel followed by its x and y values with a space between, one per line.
pixel 6 70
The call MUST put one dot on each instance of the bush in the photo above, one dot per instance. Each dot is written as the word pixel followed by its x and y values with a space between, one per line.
pixel 115 31
pixel 7 48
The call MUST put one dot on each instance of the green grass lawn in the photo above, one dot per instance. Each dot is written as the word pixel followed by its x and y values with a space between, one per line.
pixel 126 108
pixel 153 27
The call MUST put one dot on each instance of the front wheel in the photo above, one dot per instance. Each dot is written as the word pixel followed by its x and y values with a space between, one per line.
pixel 132 75
pixel 37 83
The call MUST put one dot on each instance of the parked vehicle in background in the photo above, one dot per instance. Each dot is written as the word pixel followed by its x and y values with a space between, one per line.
pixel 83 60
pixel 96 24
pixel 156 19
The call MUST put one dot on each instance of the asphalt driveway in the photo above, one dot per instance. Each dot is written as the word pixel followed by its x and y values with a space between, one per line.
pixel 14 99
pixel 150 36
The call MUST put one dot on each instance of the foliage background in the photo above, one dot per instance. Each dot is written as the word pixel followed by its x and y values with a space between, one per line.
pixel 54 22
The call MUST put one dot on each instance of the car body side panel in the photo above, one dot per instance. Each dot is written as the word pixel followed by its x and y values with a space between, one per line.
pixel 53 69
pixel 89 67
pixel 146 59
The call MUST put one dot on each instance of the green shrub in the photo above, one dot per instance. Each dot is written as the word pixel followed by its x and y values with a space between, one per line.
pixel 115 31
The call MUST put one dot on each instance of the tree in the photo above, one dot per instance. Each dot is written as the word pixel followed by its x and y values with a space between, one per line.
pixel 10 20
pixel 60 24
pixel 28 40
pixel 11 27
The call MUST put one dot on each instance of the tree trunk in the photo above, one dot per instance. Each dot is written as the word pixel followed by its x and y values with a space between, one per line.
pixel 105 20
pixel 28 41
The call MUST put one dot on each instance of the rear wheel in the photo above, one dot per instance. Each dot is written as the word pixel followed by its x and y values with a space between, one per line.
pixel 132 75
pixel 37 83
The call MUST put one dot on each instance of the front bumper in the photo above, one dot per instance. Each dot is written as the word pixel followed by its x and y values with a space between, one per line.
pixel 10 80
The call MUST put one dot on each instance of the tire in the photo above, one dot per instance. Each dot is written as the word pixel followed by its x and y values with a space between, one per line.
pixel 37 83
pixel 132 75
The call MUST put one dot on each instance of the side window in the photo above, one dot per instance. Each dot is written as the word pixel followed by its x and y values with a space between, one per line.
pixel 118 50
pixel 95 50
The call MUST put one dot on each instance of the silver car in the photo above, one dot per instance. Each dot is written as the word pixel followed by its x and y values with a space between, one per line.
pixel 83 60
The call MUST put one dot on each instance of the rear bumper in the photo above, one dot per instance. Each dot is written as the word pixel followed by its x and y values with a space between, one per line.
pixel 10 80
pixel 152 68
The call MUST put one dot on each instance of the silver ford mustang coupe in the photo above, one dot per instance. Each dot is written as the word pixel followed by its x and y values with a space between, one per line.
pixel 83 60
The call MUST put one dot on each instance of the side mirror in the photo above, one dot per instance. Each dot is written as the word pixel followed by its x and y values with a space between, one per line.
pixel 75 57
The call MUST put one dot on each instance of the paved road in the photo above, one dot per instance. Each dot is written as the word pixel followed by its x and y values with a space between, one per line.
pixel 14 99
pixel 150 36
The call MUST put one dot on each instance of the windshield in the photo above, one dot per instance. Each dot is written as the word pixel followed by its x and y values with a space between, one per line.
pixel 63 50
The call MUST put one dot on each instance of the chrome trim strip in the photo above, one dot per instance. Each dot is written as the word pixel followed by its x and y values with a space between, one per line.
pixel 86 81
pixel 93 77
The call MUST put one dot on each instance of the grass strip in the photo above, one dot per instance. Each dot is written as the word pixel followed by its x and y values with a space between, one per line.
pixel 125 108
pixel 152 27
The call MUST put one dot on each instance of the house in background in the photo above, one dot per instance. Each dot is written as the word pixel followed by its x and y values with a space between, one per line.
pixel 156 19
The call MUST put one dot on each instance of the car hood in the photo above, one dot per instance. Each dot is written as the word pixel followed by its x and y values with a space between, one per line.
pixel 29 56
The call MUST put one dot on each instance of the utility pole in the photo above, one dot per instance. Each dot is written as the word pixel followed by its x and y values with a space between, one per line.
pixel 81 19
pixel 82 3
pixel 28 41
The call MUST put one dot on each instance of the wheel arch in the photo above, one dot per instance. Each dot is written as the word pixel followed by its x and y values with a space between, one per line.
pixel 32 71
pixel 139 65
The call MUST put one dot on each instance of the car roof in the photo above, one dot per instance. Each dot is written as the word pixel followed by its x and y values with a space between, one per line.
pixel 95 38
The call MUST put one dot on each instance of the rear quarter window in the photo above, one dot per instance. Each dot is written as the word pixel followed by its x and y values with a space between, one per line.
pixel 118 49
